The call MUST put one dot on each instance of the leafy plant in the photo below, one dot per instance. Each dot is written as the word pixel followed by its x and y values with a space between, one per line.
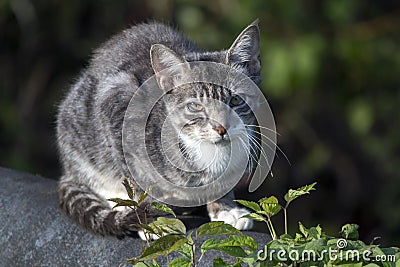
pixel 268 207
pixel 308 247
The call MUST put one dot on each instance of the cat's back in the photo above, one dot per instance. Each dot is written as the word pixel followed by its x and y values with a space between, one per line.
pixel 129 51
pixel 89 122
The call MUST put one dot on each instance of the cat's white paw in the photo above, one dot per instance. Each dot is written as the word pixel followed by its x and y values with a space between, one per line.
pixel 233 217
pixel 143 235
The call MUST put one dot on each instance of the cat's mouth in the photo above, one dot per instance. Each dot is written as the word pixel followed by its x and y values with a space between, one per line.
pixel 223 141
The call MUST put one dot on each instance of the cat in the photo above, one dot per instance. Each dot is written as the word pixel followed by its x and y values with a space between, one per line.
pixel 90 120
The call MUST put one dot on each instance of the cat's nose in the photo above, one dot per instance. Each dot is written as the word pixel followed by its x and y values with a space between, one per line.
pixel 220 130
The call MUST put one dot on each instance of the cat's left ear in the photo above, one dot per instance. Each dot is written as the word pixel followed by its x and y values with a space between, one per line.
pixel 168 67
pixel 245 50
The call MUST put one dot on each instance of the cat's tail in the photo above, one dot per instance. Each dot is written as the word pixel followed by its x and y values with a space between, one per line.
pixel 94 213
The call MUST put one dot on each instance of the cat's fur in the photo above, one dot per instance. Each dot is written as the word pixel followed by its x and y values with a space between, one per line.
pixel 89 122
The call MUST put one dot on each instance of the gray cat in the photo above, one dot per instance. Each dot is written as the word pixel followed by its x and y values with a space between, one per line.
pixel 89 123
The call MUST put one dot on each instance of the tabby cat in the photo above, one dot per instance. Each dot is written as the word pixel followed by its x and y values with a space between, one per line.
pixel 90 121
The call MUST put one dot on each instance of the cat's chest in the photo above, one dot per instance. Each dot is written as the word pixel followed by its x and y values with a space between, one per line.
pixel 211 158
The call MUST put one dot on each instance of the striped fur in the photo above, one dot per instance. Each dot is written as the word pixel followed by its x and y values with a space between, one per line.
pixel 89 210
pixel 89 122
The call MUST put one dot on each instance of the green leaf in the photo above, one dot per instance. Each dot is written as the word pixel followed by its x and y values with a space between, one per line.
pixel 295 193
pixel 391 250
pixel 255 217
pixel 163 246
pixel 270 205
pixel 350 231
pixel 249 204
pixel 319 231
pixel 298 237
pixel 128 188
pixel 277 245
pixel 180 262
pixel 233 251
pixel 163 208
pixel 303 230
pixel 186 250
pixel 189 237
pixel 308 234
pixel 381 253
pixel 251 258
pixel 286 237
pixel 123 202
pixel 227 245
pixel 218 262
pixel 221 263
pixel 315 232
pixel 315 245
pixel 142 197
pixel 169 225
pixel 216 228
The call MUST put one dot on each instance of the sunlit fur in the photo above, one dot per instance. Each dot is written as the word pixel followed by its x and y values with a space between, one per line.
pixel 90 118
pixel 207 150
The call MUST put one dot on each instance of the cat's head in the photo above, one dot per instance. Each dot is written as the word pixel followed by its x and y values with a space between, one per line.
pixel 206 113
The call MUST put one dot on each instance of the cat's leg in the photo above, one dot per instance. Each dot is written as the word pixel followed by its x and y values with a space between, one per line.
pixel 146 236
pixel 226 210
pixel 93 212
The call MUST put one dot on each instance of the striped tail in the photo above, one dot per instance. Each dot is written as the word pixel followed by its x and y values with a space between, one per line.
pixel 93 212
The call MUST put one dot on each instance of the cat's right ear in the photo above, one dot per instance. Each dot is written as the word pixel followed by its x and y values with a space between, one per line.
pixel 167 65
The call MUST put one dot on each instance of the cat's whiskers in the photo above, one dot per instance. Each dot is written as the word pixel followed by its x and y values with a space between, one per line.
pixel 253 139
pixel 258 146
pixel 248 151
pixel 269 139
pixel 262 127
pixel 261 149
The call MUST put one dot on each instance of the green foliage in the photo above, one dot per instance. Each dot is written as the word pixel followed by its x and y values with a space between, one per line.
pixel 216 228
pixel 293 194
pixel 162 247
pixel 233 245
pixel 162 207
pixel 249 204
pixel 336 62
pixel 350 231
pixel 307 247
pixel 123 202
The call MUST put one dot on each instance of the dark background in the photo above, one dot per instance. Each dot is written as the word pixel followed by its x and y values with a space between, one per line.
pixel 331 72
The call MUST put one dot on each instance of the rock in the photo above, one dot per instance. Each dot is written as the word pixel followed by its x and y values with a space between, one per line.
pixel 35 232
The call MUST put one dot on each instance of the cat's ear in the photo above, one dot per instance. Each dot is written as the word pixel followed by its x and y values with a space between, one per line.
pixel 167 65
pixel 245 50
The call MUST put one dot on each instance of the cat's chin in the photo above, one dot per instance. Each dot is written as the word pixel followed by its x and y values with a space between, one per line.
pixel 221 142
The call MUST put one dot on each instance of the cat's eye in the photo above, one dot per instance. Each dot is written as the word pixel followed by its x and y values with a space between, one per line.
pixel 235 101
pixel 194 107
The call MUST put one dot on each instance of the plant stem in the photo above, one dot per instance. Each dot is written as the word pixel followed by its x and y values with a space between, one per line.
pixel 269 228
pixel 285 215
pixel 201 256
pixel 193 257
pixel 166 256
pixel 272 229
pixel 144 231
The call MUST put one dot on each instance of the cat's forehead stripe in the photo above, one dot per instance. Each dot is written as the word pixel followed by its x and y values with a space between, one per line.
pixel 205 91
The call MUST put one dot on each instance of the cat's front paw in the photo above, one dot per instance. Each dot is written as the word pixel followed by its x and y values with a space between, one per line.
pixel 233 217
pixel 146 236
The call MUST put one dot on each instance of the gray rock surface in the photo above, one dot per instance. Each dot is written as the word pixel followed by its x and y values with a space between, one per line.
pixel 35 232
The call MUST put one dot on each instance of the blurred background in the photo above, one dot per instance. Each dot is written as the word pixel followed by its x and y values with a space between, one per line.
pixel 331 73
